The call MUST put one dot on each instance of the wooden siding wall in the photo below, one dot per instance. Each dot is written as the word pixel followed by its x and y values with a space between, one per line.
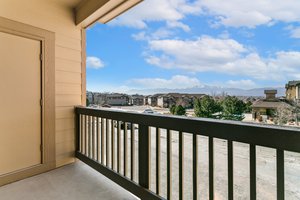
pixel 52 16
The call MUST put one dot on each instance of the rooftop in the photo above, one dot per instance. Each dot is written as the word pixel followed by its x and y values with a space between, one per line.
pixel 293 83
pixel 269 104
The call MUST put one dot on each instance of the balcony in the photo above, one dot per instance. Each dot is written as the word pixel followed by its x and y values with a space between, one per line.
pixel 72 182
pixel 166 157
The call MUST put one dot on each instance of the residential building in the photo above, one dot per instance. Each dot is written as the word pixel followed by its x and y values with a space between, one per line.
pixel 137 100
pixel 165 101
pixel 116 99
pixel 100 98
pixel 152 100
pixel 268 106
pixel 146 99
pixel 184 99
pixel 293 90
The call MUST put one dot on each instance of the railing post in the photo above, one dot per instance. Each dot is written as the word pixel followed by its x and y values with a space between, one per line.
pixel 144 156
pixel 77 130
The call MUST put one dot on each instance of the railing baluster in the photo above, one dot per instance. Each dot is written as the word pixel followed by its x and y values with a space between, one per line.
pixel 132 152
pixel 118 146
pixel 181 164
pixel 169 164
pixel 252 172
pixel 86 135
pixel 81 133
pixel 195 165
pixel 211 167
pixel 93 138
pixel 158 160
pixel 98 139
pixel 112 145
pixel 125 148
pixel 89 136
pixel 78 132
pixel 230 169
pixel 102 141
pixel 107 143
pixel 280 174
pixel 144 156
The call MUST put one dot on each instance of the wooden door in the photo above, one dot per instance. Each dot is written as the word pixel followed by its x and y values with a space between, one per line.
pixel 20 103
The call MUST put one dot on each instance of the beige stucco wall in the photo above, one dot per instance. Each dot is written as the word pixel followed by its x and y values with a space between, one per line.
pixel 52 16
pixel 291 93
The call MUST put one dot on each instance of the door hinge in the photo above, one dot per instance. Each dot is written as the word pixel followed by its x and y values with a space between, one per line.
pixel 41 57
pixel 41 102
pixel 41 147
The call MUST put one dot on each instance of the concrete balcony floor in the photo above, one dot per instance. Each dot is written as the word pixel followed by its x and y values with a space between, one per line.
pixel 72 182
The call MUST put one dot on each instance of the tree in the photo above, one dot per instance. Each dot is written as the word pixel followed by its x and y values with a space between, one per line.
pixel 177 110
pixel 233 108
pixel 284 114
pixel 248 107
pixel 207 107
pixel 87 102
pixel 180 110
pixel 296 110
pixel 172 109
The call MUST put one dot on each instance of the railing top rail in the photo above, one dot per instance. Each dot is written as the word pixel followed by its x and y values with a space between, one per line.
pixel 285 138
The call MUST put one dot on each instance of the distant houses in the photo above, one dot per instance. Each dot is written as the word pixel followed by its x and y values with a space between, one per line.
pixel 156 100
pixel 116 99
pixel 152 100
pixel 267 107
pixel 137 100
pixel 293 91
pixel 113 99
pixel 165 101
pixel 170 99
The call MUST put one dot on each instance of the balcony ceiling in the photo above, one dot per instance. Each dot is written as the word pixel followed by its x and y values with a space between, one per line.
pixel 88 12
pixel 69 3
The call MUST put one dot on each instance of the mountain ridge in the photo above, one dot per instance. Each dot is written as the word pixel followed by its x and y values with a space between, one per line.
pixel 210 90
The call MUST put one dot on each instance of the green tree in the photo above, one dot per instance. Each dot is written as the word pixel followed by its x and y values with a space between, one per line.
pixel 172 109
pixel 207 107
pixel 233 108
pixel 87 102
pixel 177 110
pixel 180 110
pixel 248 107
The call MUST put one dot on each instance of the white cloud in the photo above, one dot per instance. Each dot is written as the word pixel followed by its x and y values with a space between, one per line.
pixel 294 31
pixel 225 56
pixel 94 62
pixel 250 19
pixel 224 35
pixel 160 33
pixel 176 24
pixel 245 84
pixel 158 10
pixel 252 13
pixel 235 13
pixel 141 36
pixel 194 55
pixel 175 82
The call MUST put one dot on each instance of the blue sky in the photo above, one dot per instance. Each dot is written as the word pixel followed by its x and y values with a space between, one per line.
pixel 183 43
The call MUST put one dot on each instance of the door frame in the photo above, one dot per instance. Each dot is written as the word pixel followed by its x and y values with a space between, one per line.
pixel 47 40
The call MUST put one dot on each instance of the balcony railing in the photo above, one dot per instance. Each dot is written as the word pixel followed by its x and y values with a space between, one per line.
pixel 118 145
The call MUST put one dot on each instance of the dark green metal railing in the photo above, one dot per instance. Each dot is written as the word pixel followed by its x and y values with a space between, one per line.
pixel 103 135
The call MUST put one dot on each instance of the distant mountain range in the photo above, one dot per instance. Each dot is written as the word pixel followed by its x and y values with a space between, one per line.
pixel 211 90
